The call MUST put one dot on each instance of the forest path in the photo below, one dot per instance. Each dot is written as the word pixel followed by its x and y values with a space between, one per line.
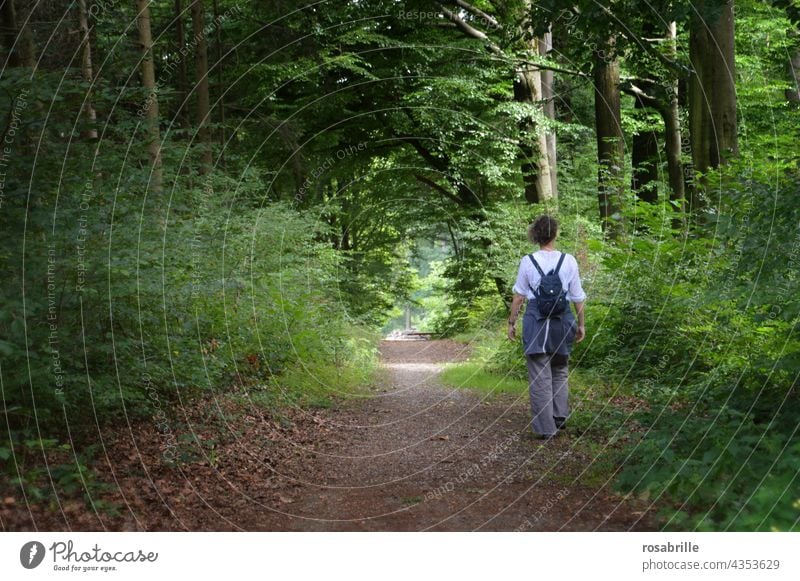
pixel 410 455
pixel 419 456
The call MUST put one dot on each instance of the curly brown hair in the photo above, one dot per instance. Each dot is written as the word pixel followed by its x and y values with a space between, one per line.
pixel 543 230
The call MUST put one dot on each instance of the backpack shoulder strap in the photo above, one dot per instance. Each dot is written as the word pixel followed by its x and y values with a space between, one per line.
pixel 536 264
pixel 558 266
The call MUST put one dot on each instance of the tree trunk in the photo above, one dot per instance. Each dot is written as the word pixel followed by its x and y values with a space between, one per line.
pixel 644 162
pixel 220 87
pixel 645 150
pixel 10 33
pixel 201 86
pixel 86 69
pixel 17 39
pixel 151 105
pixel 26 46
pixel 712 88
pixel 548 94
pixel 673 140
pixel 183 78
pixel 535 166
pixel 610 140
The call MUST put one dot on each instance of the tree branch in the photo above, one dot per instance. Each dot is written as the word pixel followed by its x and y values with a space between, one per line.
pixel 494 48
pixel 441 164
pixel 469 30
pixel 438 187
pixel 647 99
pixel 555 69
pixel 670 64
pixel 479 13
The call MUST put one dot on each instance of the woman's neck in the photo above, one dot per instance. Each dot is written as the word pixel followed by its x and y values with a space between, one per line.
pixel 548 246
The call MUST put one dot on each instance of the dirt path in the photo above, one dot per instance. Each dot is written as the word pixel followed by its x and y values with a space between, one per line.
pixel 411 456
pixel 423 457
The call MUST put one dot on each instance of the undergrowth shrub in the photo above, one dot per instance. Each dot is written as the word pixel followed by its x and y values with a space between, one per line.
pixel 705 336
pixel 118 302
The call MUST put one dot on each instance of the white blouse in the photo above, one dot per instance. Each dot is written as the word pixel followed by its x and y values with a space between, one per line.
pixel 528 277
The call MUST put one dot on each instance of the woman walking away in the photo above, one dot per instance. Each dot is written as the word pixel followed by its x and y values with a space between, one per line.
pixel 549 279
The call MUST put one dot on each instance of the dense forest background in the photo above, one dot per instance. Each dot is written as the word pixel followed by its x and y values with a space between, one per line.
pixel 205 196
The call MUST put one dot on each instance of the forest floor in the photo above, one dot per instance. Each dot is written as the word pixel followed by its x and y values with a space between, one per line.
pixel 409 455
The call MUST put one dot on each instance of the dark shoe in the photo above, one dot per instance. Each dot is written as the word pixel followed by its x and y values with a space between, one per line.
pixel 544 437
pixel 533 437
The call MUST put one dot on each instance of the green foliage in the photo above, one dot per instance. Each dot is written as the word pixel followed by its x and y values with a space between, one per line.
pixel 719 467
pixel 119 304
pixel 38 466
pixel 350 133
pixel 705 336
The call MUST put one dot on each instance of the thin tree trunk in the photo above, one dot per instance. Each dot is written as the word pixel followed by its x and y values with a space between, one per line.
pixel 149 83
pixel 201 87
pixel 17 38
pixel 535 166
pixel 672 139
pixel 712 88
pixel 610 140
pixel 27 47
pixel 183 78
pixel 10 33
pixel 86 69
pixel 220 87
pixel 672 134
pixel 548 94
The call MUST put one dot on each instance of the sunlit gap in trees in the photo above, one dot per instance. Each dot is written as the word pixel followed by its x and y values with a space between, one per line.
pixel 425 307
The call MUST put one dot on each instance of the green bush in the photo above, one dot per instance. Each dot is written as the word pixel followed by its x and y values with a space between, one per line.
pixel 705 337
pixel 118 303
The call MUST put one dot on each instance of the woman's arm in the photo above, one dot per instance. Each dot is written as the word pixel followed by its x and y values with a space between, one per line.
pixel 576 296
pixel 516 303
pixel 581 334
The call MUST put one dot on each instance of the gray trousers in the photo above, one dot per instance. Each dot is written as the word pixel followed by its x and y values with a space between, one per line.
pixel 547 383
